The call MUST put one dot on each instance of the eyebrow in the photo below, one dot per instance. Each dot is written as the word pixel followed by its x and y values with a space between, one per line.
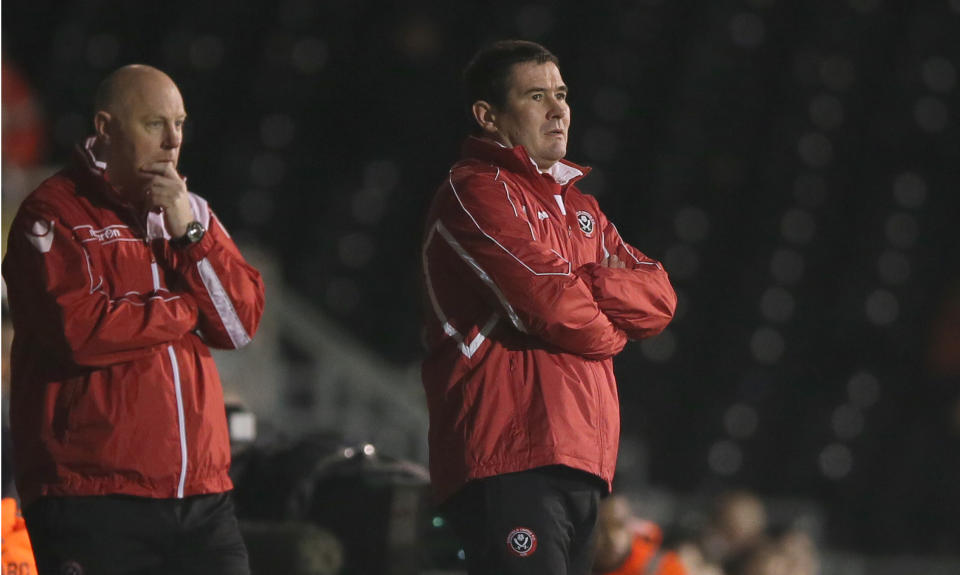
pixel 561 88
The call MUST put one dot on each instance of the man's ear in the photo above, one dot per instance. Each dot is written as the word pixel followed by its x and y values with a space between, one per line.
pixel 485 116
pixel 101 126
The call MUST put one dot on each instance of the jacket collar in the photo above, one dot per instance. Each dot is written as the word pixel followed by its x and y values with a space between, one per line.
pixel 95 172
pixel 516 159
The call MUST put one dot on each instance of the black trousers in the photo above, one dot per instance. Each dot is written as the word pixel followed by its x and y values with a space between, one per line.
pixel 540 521
pixel 120 535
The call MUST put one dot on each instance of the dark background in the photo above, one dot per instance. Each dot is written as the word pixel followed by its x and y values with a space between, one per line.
pixel 793 164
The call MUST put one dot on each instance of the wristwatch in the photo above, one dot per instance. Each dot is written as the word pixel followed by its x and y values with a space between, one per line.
pixel 195 231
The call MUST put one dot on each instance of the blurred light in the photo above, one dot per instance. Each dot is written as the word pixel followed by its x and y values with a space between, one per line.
pixel 600 144
pixel 206 52
pixel 747 30
pixel 349 452
pixel 939 74
pixel 864 6
pixel 356 250
pixel 342 295
pixel 309 55
pixel 786 266
pixel 461 555
pixel 931 114
pixel 882 307
pixel 659 348
pixel 682 261
pixel 902 230
pixel 826 112
pixel 381 174
pixel 810 190
pixel 740 421
pixel 534 21
pixel 691 224
pixel 777 304
pixel 369 449
pixel 797 226
pixel 725 457
pixel 847 422
pixel 610 104
pixel 256 207
pixel 419 39
pixel 767 345
pixel 863 389
pixel 369 205
pixel 102 50
pixel 438 521
pixel 815 150
pixel 837 73
pixel 267 170
pixel 836 461
pixel 910 190
pixel 894 267
pixel 69 129
pixel 276 130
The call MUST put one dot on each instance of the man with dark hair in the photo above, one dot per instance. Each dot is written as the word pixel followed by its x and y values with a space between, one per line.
pixel 531 293
pixel 119 281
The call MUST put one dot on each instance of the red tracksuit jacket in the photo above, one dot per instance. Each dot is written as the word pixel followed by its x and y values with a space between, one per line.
pixel 113 386
pixel 523 321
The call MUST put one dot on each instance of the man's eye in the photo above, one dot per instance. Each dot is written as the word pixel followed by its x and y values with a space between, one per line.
pixel 179 123
pixel 537 97
pixel 562 96
pixel 153 124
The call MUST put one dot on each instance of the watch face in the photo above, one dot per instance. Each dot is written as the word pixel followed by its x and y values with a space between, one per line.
pixel 195 231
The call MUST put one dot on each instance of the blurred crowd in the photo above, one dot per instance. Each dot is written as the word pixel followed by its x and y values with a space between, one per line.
pixel 736 540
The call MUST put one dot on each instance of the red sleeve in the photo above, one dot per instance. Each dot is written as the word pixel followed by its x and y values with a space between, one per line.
pixel 535 285
pixel 228 290
pixel 55 286
pixel 638 298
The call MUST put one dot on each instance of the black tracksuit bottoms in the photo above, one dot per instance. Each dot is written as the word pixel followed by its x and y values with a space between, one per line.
pixel 540 521
pixel 120 535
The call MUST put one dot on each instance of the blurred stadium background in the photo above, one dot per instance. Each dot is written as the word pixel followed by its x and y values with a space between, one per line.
pixel 793 164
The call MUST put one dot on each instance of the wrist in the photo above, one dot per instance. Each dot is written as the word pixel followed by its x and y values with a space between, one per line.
pixel 193 234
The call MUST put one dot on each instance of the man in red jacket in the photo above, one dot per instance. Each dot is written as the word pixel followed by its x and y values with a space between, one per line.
pixel 531 293
pixel 119 280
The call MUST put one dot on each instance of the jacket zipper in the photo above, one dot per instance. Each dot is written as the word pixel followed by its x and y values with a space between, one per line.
pixel 180 421
pixel 155 274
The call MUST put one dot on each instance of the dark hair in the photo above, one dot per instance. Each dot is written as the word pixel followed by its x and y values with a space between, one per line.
pixel 486 76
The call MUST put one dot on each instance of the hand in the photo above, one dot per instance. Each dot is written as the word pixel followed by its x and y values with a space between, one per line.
pixel 612 261
pixel 167 191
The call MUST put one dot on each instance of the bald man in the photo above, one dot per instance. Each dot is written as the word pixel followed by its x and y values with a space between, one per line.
pixel 119 281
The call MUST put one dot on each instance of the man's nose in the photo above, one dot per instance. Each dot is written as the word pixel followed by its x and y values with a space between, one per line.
pixel 172 137
pixel 557 109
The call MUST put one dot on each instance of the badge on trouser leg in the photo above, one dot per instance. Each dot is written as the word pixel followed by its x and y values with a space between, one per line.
pixel 522 541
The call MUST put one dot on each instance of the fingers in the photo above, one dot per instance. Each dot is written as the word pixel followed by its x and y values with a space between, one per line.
pixel 160 169
pixel 612 261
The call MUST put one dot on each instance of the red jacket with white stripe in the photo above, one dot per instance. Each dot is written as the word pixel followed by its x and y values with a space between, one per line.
pixel 524 320
pixel 113 388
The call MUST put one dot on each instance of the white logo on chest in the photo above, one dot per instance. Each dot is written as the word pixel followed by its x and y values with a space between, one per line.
pixel 105 234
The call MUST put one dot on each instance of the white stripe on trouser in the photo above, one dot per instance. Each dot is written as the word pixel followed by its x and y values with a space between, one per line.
pixel 180 420
pixel 221 301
